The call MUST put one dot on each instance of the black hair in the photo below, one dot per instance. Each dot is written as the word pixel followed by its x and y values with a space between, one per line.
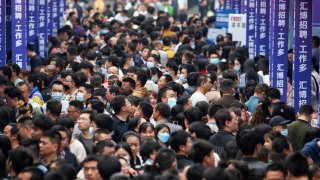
pixel 54 136
pixel 222 116
pixel 109 166
pixel 172 65
pixel 192 78
pixel 36 173
pixel 96 104
pixel 114 89
pixel 213 109
pixel 146 109
pixel 203 106
pixel 98 149
pixel 148 147
pixel 164 159
pixel 163 109
pixel 19 159
pixel 297 164
pixel 306 110
pixel 118 102
pixel 193 114
pixel 13 92
pixel 5 145
pixel 273 93
pixel 54 107
pixel 177 139
pixel 247 140
pixel 200 149
pixel 42 122
pixel 201 130
pixel 77 104
pixel 86 65
pixel 103 121
pixel 195 171
pixel 280 144
pixel 133 123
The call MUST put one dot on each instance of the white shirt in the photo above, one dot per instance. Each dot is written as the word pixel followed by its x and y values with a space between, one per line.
pixel 197 97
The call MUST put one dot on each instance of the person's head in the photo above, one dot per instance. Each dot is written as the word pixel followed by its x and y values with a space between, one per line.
pixel 18 159
pixel 133 139
pixel 149 150
pixel 120 104
pixel 102 121
pixel 135 123
pixel 146 130
pixel 315 41
pixel 24 127
pixel 65 136
pixel 202 152
pixel 279 124
pixel 24 89
pixel 162 133
pixel 181 142
pixel 104 148
pixel 53 109
pixel 56 90
pixel 112 92
pixel 213 109
pixel 5 145
pixel 296 165
pixel 40 124
pixel 167 95
pixel 305 112
pixel 249 142
pixel 95 104
pixel 281 145
pixel 191 115
pixel 226 120
pixel 144 110
pixel 227 86
pixel 13 96
pixel 74 109
pixel 200 130
pixel 163 80
pixel 275 171
pixel 172 68
pixel 260 90
pixel 165 160
pixel 109 166
pixel 85 92
pixel 96 81
pixel 273 94
pixel 49 143
pixel 145 52
pixel 72 81
pixel 161 111
pixel 86 67
pixel 12 132
pixel 141 80
pixel 84 120
pixel 90 167
pixel 32 173
pixel 102 135
pixel 204 83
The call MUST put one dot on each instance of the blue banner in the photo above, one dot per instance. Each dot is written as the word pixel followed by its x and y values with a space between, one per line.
pixel 223 17
pixel 42 20
pixel 251 30
pixel 271 42
pixel 55 17
pixel 262 29
pixel 279 56
pixel 227 4
pixel 244 4
pixel 62 10
pixel 19 33
pixel 49 17
pixel 2 33
pixel 32 14
pixel 302 52
pixel 236 6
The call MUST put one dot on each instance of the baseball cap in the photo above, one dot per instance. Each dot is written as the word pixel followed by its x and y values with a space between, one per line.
pixel 278 120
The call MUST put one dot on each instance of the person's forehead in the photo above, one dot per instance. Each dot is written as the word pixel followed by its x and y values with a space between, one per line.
pixel 57 86
pixel 90 164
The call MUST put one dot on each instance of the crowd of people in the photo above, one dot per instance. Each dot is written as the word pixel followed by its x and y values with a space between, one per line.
pixel 139 92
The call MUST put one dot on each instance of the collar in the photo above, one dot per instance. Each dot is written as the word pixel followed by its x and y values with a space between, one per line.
pixel 163 121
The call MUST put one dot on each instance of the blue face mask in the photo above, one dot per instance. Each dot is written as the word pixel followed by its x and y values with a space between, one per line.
pixel 214 61
pixel 150 64
pixel 56 96
pixel 163 137
pixel 236 68
pixel 172 102
pixel 80 96
pixel 154 79
pixel 132 63
pixel 182 78
pixel 284 132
